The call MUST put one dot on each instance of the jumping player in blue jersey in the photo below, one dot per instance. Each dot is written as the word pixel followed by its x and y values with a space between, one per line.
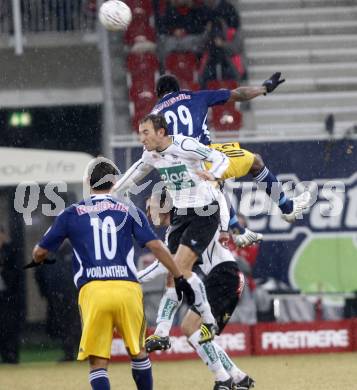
pixel 101 230
pixel 186 113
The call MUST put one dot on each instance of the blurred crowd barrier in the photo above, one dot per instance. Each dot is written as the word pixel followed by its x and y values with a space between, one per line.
pixel 49 16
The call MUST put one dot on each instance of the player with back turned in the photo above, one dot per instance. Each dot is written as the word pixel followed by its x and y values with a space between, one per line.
pixel 186 113
pixel 101 231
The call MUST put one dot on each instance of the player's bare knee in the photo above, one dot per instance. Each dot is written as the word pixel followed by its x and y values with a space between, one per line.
pixel 141 355
pixel 96 362
pixel 190 323
pixel 258 165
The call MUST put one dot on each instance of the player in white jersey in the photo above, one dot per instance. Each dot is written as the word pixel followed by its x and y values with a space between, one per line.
pixel 224 284
pixel 196 217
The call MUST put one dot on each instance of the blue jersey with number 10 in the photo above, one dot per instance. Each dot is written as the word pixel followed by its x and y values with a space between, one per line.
pixel 186 111
pixel 101 232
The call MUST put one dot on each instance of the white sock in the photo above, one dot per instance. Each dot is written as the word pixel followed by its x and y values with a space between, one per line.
pixel 168 307
pixel 228 364
pixel 201 302
pixel 209 356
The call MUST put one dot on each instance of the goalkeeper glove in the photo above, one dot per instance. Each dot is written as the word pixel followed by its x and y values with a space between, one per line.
pixel 184 288
pixel 273 82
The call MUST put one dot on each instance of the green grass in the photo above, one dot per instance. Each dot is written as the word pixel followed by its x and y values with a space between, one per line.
pixel 298 372
pixel 38 354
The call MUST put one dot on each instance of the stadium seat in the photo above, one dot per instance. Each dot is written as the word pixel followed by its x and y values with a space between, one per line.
pixel 142 84
pixel 139 29
pixel 142 63
pixel 143 104
pixel 140 6
pixel 190 86
pixel 183 66
pixel 226 117
pixel 219 84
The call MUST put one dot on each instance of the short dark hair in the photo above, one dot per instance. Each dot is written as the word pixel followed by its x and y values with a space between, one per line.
pixel 166 84
pixel 158 122
pixel 100 170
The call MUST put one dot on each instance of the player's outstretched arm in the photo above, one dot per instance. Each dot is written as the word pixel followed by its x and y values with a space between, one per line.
pixel 132 176
pixel 242 94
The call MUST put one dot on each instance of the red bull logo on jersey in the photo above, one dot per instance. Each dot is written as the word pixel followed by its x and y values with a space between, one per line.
pixel 101 206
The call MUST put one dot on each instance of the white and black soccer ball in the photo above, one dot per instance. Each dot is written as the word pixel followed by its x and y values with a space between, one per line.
pixel 115 15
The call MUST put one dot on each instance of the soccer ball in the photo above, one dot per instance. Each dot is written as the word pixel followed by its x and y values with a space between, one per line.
pixel 115 15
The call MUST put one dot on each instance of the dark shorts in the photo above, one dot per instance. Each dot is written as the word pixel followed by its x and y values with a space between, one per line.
pixel 224 286
pixel 192 230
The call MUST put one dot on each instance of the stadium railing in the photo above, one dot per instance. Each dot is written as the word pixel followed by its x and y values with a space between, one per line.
pixel 49 16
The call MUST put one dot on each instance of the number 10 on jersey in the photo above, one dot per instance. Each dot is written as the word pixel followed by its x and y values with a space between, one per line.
pixel 101 232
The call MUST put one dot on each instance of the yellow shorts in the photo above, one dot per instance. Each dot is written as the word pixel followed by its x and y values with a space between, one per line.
pixel 240 160
pixel 108 304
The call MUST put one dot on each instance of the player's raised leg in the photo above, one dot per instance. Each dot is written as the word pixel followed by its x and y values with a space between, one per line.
pixel 243 162
pixel 291 209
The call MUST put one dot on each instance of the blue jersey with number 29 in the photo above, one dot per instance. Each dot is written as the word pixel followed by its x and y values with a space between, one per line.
pixel 101 232
pixel 186 111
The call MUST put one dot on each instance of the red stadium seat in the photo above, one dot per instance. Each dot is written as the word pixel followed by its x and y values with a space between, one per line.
pixel 226 117
pixel 219 84
pixel 142 63
pixel 139 29
pixel 142 84
pixel 183 66
pixel 140 6
pixel 190 86
pixel 143 103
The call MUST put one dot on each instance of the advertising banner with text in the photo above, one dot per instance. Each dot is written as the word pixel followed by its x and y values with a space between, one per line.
pixel 264 339
pixel 324 336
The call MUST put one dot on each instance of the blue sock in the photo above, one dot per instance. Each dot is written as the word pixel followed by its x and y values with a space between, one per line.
pixel 233 222
pixel 142 374
pixel 99 379
pixel 274 190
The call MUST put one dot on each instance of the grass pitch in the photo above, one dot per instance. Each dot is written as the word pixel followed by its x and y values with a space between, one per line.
pixel 304 372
